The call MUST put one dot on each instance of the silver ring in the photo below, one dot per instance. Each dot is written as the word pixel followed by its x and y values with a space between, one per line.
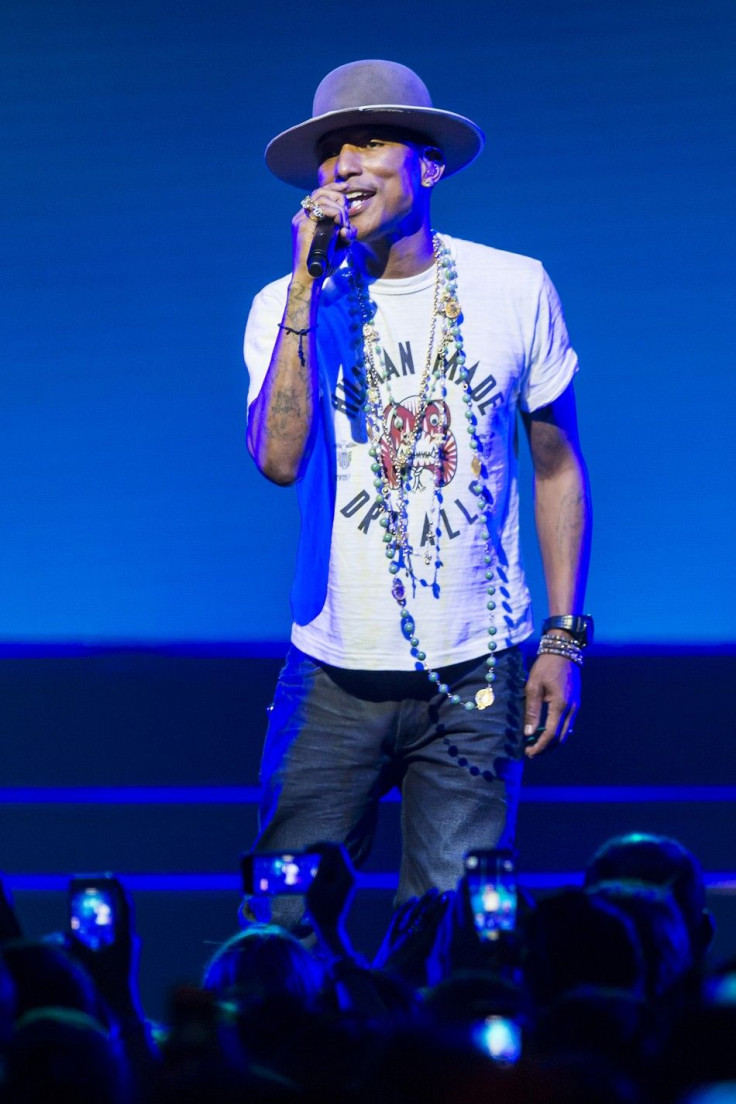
pixel 314 211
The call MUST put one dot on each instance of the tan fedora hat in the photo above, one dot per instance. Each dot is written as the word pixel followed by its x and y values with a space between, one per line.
pixel 363 93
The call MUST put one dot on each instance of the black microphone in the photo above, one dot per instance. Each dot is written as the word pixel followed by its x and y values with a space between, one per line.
pixel 322 247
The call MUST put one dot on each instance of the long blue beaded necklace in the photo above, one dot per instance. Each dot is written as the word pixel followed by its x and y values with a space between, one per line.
pixel 393 464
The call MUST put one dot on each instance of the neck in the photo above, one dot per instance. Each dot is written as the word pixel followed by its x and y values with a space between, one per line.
pixel 395 258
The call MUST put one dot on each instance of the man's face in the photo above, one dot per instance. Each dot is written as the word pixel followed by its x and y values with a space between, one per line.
pixel 380 173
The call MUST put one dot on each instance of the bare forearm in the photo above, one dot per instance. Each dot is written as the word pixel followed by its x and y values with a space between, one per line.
pixel 281 420
pixel 563 519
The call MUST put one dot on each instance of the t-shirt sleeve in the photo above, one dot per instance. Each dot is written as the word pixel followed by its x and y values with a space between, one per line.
pixel 552 360
pixel 261 332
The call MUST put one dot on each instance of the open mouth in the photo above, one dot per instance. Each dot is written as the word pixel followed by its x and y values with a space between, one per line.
pixel 357 201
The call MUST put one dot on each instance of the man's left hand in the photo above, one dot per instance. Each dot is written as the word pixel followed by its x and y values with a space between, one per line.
pixel 553 681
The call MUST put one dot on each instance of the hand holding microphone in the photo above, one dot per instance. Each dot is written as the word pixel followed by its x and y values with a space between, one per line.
pixel 322 248
pixel 326 235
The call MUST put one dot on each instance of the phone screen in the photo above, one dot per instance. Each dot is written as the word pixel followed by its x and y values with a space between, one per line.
pixel 271 875
pixel 92 916
pixel 499 1038
pixel 491 878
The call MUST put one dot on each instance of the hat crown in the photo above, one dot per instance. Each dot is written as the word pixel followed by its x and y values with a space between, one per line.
pixel 362 83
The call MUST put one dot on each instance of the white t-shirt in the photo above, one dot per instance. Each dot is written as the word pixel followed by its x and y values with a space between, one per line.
pixel 518 355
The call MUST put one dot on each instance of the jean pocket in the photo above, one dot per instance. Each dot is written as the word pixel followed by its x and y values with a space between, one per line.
pixel 298 673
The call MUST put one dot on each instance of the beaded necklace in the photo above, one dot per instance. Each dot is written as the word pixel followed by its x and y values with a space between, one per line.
pixel 393 461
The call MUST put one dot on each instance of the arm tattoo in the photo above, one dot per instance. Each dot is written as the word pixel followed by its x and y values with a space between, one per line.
pixel 571 519
pixel 286 402
pixel 298 306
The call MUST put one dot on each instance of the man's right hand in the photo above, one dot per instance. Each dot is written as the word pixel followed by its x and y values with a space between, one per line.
pixel 331 199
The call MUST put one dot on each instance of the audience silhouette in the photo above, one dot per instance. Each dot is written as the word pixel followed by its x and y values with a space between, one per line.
pixel 600 993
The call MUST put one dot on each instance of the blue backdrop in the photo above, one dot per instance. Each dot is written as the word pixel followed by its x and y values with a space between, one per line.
pixel 138 220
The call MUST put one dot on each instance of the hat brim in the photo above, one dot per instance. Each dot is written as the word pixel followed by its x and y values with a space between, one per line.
pixel 292 155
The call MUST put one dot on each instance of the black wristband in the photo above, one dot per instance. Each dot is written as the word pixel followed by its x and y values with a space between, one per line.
pixel 578 625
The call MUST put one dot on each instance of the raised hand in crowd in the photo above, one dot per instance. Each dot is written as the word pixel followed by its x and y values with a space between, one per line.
pixel 411 936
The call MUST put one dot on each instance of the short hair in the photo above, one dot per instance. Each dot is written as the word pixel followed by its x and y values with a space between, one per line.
pixel 572 939
pixel 261 961
pixel 657 861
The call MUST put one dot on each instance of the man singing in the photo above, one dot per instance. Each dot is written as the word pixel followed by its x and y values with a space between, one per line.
pixel 388 390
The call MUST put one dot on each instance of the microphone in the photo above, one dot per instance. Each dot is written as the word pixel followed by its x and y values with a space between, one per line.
pixel 322 247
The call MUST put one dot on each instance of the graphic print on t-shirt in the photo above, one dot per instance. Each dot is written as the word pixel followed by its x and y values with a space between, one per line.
pixel 420 438
pixel 419 441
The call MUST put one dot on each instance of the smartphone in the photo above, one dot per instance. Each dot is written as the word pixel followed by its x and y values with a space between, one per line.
pixel 273 874
pixel 95 911
pixel 499 1038
pixel 491 879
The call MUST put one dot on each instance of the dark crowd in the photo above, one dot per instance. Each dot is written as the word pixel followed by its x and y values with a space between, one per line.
pixel 599 993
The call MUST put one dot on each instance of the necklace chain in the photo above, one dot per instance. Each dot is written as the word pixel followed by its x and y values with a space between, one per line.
pixel 393 452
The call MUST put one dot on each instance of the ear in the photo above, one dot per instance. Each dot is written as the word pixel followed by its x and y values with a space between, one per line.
pixel 433 166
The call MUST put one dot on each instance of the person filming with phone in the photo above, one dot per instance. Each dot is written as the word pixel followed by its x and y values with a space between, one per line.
pixel 387 371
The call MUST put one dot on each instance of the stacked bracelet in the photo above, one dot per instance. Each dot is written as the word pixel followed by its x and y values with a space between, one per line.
pixel 557 645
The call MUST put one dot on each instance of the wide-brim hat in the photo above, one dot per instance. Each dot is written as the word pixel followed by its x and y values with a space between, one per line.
pixel 371 92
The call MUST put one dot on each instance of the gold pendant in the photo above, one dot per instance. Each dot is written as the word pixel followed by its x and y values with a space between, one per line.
pixel 484 698
pixel 475 465
pixel 451 307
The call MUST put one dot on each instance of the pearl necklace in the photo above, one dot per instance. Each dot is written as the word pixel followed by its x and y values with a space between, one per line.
pixel 393 463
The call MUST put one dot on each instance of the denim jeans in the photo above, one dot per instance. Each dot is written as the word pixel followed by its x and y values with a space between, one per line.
pixel 338 740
